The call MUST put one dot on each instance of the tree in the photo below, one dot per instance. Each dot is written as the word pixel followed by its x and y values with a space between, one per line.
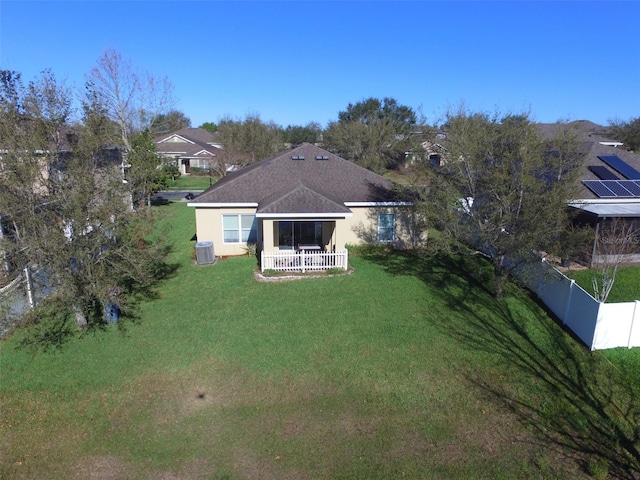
pixel 209 126
pixel 372 133
pixel 169 122
pixel 626 132
pixel 145 173
pixel 372 110
pixel 34 137
pixel 63 191
pixel 502 190
pixel 135 102
pixel 247 141
pixel 615 239
pixel 297 134
pixel 132 99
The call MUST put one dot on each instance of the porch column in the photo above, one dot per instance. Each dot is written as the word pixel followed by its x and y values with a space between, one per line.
pixel 267 236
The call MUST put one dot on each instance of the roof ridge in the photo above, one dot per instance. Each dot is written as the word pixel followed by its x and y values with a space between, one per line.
pixel 287 191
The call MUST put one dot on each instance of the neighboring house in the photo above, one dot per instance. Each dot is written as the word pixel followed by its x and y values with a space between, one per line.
pixel 609 186
pixel 51 166
pixel 304 198
pixel 431 152
pixel 189 147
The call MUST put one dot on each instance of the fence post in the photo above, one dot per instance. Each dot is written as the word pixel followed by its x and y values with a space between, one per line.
pixel 567 307
pixel 346 259
pixel 636 311
pixel 540 279
pixel 27 278
pixel 262 261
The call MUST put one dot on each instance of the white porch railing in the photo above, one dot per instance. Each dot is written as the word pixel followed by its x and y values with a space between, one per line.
pixel 301 261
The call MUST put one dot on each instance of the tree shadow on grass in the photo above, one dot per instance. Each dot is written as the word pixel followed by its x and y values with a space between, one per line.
pixel 158 201
pixel 53 323
pixel 573 399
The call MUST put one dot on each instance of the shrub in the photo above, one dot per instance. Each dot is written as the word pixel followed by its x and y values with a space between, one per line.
pixel 251 249
pixel 598 468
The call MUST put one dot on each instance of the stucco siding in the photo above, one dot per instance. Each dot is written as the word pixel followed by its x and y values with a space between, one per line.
pixel 209 228
pixel 362 227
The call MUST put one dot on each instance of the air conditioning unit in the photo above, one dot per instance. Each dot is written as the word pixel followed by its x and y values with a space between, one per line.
pixel 204 253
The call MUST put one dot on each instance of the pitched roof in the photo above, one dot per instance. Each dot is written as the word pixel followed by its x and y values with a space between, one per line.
pixel 300 199
pixel 305 179
pixel 197 142
pixel 593 142
pixel 194 134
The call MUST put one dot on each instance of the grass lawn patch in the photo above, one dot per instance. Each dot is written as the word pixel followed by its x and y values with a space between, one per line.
pixel 191 182
pixel 626 287
pixel 407 368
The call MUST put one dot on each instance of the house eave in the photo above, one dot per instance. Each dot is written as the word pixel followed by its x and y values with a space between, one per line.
pixel 601 201
pixel 185 140
pixel 223 205
pixel 378 204
pixel 609 207
pixel 304 215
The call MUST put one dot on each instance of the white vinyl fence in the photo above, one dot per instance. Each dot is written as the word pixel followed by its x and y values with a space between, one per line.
pixel 23 293
pixel 303 261
pixel 598 325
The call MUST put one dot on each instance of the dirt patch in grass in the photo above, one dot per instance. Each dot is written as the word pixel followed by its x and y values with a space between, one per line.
pixel 288 276
pixel 105 467
pixel 219 421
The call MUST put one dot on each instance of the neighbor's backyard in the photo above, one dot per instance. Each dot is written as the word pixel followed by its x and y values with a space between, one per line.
pixel 407 368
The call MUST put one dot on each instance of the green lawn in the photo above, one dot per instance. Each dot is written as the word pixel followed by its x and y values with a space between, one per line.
pixel 626 287
pixel 407 368
pixel 191 182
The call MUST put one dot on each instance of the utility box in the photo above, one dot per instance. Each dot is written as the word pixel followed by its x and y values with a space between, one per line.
pixel 204 253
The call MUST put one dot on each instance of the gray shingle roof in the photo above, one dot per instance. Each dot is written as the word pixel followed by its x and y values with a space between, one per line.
pixel 200 137
pixel 194 134
pixel 300 199
pixel 590 135
pixel 321 182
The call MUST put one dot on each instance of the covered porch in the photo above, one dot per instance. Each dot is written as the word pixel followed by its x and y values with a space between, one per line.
pixel 301 244
pixel 616 231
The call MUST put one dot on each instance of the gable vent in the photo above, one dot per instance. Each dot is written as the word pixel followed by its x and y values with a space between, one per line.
pixel 297 157
pixel 322 157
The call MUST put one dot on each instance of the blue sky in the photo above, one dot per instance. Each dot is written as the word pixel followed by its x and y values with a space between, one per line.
pixel 296 62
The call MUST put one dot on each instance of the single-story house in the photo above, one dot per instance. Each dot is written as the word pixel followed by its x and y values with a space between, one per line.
pixel 302 199
pixel 189 147
pixel 609 192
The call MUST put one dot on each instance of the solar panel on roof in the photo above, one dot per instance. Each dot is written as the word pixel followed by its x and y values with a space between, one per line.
pixel 614 188
pixel 617 187
pixel 633 187
pixel 620 166
pixel 603 173
pixel 597 187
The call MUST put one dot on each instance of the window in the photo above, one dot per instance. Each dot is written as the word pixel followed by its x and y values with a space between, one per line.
pixel 239 229
pixel 435 160
pixel 293 234
pixel 386 227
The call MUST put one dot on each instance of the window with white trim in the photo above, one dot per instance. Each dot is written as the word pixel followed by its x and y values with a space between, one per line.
pixel 386 227
pixel 238 228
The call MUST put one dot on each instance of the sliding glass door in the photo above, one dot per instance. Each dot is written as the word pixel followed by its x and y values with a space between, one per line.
pixel 293 234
